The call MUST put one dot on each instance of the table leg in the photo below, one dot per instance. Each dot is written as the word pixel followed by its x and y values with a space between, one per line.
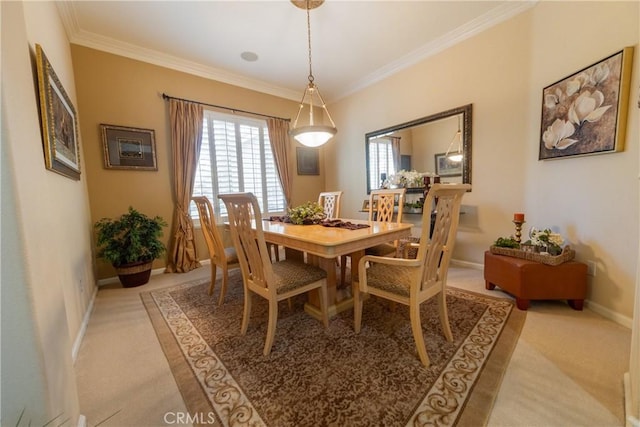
pixel 340 299
pixel 313 305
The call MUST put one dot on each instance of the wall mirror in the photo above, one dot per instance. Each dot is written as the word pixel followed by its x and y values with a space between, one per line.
pixel 439 144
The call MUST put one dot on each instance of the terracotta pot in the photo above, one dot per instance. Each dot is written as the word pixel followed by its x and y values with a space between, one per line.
pixel 134 274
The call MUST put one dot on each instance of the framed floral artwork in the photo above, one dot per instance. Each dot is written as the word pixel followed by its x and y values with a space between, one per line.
pixel 58 121
pixel 586 112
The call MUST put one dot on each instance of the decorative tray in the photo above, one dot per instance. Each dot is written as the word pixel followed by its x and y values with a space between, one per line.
pixel 567 255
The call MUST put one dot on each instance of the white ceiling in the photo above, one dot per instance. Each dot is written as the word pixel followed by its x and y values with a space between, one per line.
pixel 354 43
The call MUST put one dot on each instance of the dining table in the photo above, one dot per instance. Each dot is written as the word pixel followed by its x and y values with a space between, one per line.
pixel 322 245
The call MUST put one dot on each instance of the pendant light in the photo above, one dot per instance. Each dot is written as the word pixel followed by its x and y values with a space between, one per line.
pixel 311 135
pixel 455 156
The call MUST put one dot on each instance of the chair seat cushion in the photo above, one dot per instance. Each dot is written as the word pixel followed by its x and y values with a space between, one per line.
pixel 391 278
pixel 384 249
pixel 292 274
pixel 231 255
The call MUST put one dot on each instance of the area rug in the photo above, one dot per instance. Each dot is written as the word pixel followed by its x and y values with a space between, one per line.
pixel 332 377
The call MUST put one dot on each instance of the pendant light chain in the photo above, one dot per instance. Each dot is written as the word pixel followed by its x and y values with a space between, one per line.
pixel 309 41
pixel 311 135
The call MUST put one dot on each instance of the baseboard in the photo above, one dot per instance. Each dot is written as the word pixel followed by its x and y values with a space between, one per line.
pixel 111 280
pixel 611 315
pixel 466 264
pixel 83 327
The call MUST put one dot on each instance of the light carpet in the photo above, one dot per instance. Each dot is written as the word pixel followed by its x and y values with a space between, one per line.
pixel 332 377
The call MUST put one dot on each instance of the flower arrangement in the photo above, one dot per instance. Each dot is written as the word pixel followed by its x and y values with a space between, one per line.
pixel 307 213
pixel 550 241
pixel 404 178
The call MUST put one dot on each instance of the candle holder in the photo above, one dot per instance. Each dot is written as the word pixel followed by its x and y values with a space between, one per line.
pixel 518 229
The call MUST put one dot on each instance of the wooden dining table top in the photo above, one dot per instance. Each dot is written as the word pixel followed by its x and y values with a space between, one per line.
pixel 331 242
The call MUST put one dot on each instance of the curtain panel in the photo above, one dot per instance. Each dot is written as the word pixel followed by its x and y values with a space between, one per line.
pixel 279 137
pixel 186 139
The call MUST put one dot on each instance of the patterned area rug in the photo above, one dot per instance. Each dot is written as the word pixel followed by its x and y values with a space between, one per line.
pixel 332 377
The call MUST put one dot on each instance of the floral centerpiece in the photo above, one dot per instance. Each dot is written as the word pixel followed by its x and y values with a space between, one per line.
pixel 307 213
pixel 546 240
pixel 405 178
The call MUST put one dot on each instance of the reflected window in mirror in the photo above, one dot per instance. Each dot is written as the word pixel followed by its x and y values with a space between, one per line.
pixel 394 155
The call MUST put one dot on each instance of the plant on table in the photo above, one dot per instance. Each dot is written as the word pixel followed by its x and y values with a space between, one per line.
pixel 307 213
pixel 546 239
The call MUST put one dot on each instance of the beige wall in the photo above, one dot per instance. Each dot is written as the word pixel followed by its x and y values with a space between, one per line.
pixel 592 201
pixel 49 279
pixel 125 92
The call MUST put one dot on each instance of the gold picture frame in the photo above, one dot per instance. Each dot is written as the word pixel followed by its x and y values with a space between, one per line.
pixel 586 112
pixel 58 121
pixel 128 148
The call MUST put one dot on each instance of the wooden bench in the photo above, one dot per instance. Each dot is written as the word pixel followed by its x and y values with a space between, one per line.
pixel 529 280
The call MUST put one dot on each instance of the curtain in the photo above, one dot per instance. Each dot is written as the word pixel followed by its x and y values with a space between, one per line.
pixel 186 139
pixel 395 150
pixel 279 137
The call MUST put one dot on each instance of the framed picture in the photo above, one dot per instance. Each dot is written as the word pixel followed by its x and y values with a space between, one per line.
pixel 58 120
pixel 307 160
pixel 447 167
pixel 365 205
pixel 586 112
pixel 128 148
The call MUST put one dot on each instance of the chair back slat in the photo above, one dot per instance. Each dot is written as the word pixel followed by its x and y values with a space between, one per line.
pixel 212 236
pixel 436 246
pixel 251 247
pixel 383 203
pixel 330 202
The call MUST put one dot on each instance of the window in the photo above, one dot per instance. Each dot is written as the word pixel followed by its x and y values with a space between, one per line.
pixel 380 160
pixel 236 156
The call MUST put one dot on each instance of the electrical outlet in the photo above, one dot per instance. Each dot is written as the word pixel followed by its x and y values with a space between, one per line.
pixel 591 268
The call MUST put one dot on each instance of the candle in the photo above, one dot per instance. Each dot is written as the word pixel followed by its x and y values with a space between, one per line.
pixel 518 217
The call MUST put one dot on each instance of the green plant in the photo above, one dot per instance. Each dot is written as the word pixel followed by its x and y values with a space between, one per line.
pixel 307 213
pixel 131 238
pixel 547 239
pixel 507 242
pixel 415 205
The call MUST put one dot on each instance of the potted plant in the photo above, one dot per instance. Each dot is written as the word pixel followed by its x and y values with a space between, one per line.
pixel 131 243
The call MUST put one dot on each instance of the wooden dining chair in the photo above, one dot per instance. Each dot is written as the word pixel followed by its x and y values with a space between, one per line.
pixel 225 258
pixel 275 281
pixel 413 281
pixel 385 205
pixel 330 202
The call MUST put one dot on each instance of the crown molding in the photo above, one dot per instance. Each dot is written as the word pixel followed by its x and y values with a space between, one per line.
pixel 472 28
pixel 84 38
pixel 128 50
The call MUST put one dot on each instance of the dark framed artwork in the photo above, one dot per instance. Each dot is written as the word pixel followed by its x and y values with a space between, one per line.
pixel 586 112
pixel 447 167
pixel 58 120
pixel 307 160
pixel 128 148
pixel 405 162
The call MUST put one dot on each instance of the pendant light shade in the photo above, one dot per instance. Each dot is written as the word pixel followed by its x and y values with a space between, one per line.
pixel 311 135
